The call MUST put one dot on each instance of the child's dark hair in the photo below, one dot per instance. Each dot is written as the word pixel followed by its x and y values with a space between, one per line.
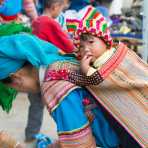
pixel 87 36
pixel 49 3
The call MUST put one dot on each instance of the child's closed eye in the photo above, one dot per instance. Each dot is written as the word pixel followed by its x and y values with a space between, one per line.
pixel 91 41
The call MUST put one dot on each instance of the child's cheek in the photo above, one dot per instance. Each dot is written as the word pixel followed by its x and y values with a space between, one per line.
pixel 93 59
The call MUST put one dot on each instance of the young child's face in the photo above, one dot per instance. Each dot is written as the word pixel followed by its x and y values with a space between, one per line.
pixel 57 9
pixel 92 45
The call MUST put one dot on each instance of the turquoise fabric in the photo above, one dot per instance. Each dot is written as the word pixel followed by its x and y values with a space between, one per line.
pixel 15 50
pixel 11 7
pixel 42 141
pixel 72 111
pixel 103 133
pixel 70 115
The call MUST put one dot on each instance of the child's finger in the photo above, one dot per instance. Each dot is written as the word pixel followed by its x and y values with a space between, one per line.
pixel 86 56
pixel 88 60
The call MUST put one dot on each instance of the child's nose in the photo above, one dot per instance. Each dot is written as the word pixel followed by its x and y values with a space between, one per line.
pixel 87 49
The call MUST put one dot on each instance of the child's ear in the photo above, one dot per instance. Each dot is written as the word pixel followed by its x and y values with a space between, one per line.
pixel 55 6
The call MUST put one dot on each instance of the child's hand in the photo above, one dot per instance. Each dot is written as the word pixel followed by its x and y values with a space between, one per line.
pixel 7 140
pixel 20 145
pixel 1 2
pixel 85 62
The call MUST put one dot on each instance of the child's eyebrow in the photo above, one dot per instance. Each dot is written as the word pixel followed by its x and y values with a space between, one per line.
pixel 90 38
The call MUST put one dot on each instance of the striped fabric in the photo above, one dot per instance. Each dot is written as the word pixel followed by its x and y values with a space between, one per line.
pixel 124 92
pixel 57 89
pixel 79 139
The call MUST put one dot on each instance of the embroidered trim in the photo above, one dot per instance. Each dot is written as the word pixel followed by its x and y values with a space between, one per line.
pixel 113 62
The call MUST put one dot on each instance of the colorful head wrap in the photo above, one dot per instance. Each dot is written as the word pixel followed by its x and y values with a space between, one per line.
pixel 93 23
pixel 16 49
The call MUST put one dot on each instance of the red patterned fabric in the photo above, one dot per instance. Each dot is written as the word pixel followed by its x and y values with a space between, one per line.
pixel 124 92
pixel 8 18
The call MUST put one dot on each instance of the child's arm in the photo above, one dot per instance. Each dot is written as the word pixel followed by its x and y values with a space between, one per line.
pixel 70 72
pixel 83 80
pixel 74 77
pixel 8 141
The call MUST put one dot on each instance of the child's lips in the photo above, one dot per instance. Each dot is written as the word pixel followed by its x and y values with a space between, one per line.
pixel 91 55
pixel 92 60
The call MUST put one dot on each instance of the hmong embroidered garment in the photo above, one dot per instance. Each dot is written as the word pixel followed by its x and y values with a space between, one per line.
pixel 57 89
pixel 78 118
pixel 123 93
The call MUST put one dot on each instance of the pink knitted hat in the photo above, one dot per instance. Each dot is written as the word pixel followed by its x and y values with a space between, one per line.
pixel 93 23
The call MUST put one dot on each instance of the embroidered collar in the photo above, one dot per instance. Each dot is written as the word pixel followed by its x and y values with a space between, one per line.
pixel 104 58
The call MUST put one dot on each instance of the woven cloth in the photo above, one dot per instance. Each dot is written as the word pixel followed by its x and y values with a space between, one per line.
pixel 124 92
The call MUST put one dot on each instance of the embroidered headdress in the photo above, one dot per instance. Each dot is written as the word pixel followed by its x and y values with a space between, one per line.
pixel 93 23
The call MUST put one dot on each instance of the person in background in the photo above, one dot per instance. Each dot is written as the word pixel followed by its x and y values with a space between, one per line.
pixel 45 26
pixel 10 10
pixel 40 5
